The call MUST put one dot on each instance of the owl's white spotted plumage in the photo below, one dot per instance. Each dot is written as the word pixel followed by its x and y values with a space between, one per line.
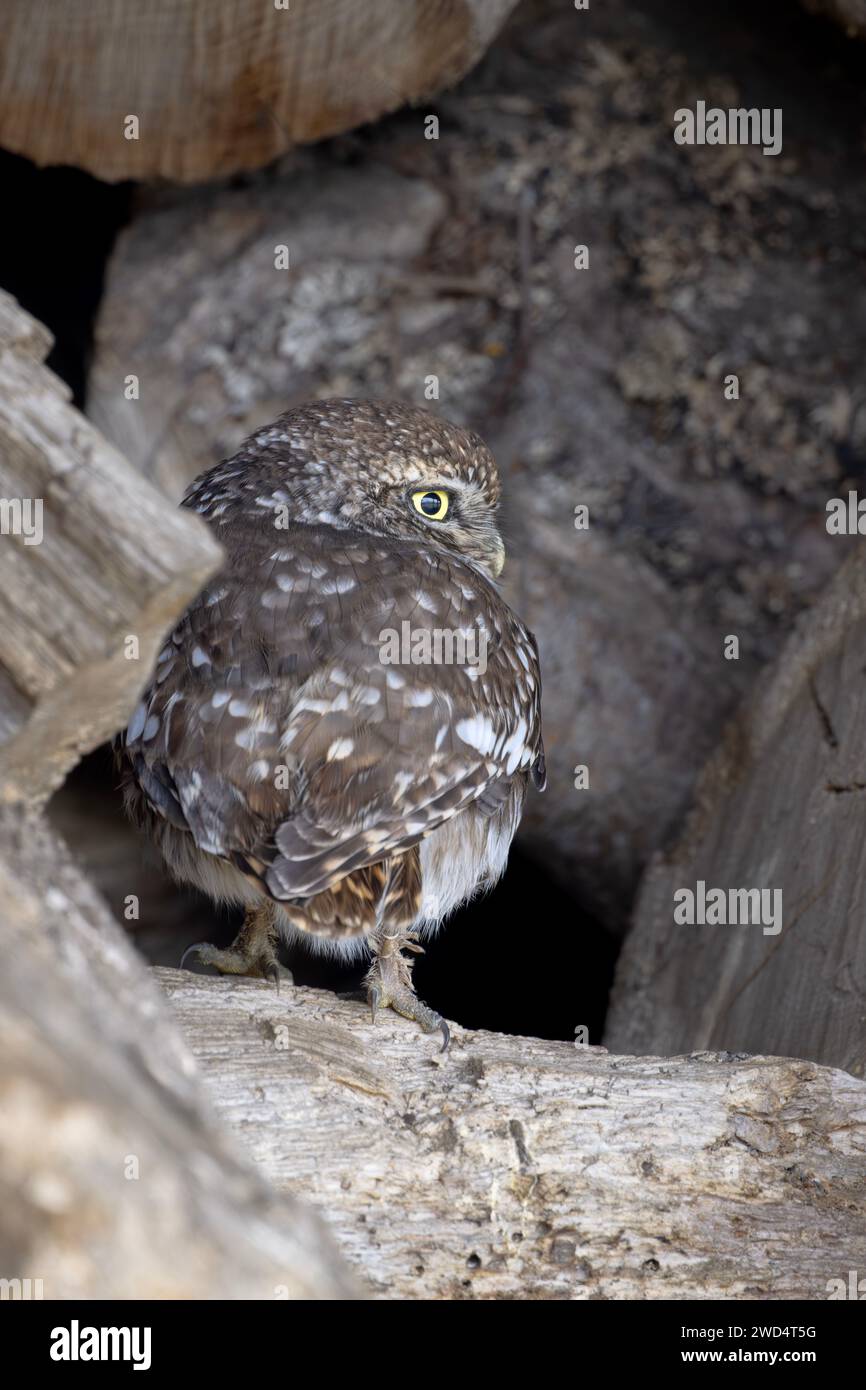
pixel 283 756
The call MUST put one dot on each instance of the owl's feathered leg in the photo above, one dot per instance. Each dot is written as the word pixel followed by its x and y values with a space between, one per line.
pixel 389 979
pixel 253 951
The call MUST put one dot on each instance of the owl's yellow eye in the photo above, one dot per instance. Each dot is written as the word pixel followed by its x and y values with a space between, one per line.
pixel 433 505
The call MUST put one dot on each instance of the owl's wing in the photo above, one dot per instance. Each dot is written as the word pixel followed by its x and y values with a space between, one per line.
pixel 332 703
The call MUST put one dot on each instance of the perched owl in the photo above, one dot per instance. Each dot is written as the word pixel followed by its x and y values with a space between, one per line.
pixel 340 730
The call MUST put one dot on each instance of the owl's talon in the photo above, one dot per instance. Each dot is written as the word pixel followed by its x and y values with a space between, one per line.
pixel 196 948
pixel 389 986
pixel 427 1018
pixel 253 951
pixel 375 999
pixel 275 972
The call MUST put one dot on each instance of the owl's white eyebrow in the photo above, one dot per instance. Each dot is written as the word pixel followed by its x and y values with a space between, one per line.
pixel 443 484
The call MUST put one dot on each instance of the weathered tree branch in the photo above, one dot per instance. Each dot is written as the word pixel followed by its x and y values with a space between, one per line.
pixel 518 1168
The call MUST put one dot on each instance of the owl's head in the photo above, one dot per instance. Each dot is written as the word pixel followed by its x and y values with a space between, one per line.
pixel 388 469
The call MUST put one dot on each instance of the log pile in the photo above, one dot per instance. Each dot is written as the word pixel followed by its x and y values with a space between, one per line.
pixel 165 1135
pixel 176 1146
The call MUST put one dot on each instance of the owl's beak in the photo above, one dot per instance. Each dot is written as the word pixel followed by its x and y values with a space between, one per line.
pixel 497 561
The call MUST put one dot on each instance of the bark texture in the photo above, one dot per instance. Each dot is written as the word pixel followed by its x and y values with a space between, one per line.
pixel 215 85
pixel 85 601
pixel 782 806
pixel 516 1168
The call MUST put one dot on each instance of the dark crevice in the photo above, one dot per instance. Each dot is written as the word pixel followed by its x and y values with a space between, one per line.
pixel 827 730
pixel 56 234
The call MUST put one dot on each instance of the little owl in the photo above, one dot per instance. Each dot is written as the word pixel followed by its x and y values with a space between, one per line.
pixel 340 730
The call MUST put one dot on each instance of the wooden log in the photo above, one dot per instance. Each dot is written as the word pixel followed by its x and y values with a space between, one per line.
pixel 206 87
pixel 118 1181
pixel 517 1168
pixel 781 807
pixel 95 566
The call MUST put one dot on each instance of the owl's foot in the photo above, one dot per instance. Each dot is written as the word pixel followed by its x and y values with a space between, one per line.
pixel 253 951
pixel 389 985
